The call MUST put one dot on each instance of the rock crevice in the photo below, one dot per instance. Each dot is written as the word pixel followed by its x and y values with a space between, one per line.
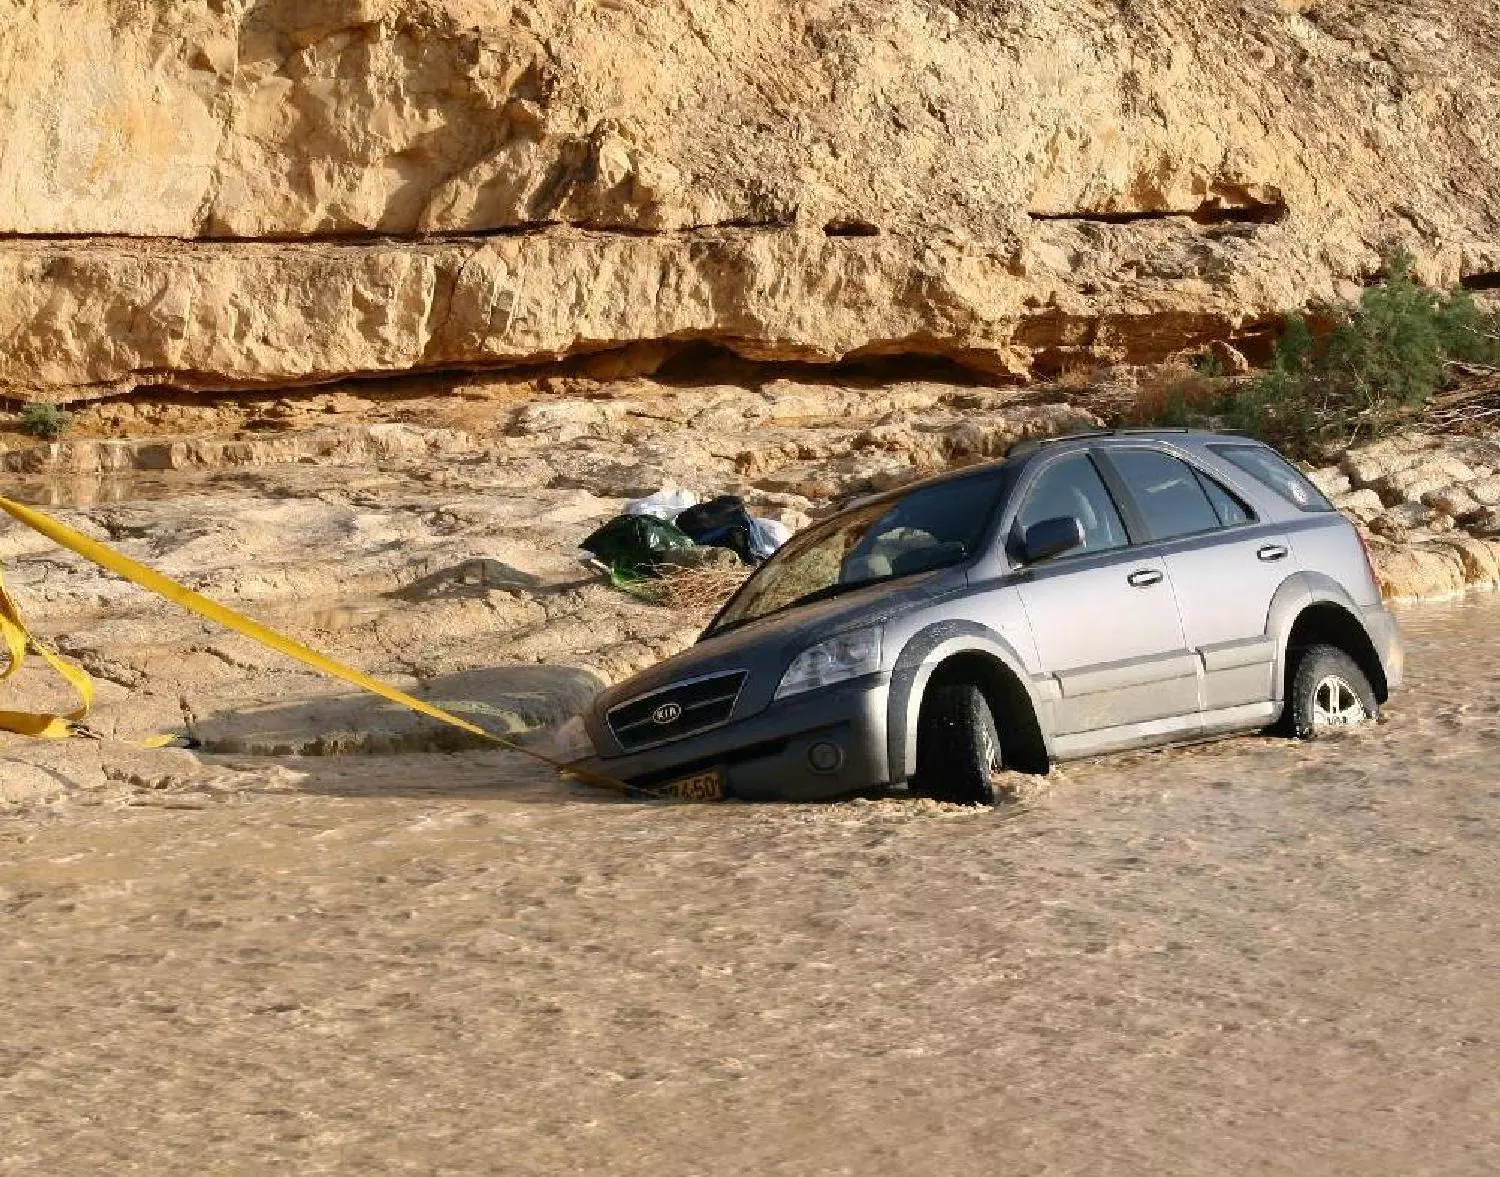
pixel 1210 212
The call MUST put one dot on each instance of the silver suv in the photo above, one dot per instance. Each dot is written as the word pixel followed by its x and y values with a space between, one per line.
pixel 1088 594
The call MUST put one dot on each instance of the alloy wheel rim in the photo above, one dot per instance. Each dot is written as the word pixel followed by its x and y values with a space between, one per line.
pixel 991 750
pixel 1336 703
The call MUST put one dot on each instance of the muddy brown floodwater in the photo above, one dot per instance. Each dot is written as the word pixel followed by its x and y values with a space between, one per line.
pixel 1250 957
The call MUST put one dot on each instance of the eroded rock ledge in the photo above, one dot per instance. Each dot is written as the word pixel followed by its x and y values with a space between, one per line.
pixel 220 194
pixel 88 318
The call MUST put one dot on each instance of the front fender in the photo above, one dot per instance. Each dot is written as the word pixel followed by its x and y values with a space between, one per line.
pixel 922 654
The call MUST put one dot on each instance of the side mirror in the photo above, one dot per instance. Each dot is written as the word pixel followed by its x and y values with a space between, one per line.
pixel 1051 537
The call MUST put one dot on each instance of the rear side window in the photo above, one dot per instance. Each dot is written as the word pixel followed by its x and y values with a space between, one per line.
pixel 1227 506
pixel 1168 492
pixel 1273 471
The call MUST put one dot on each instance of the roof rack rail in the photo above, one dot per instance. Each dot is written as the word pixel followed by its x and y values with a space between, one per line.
pixel 1032 444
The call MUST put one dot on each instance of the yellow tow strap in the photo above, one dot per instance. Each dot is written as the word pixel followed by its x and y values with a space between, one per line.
pixel 18 638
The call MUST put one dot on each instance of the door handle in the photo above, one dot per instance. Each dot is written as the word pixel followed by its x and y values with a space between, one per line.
pixel 1145 578
pixel 1271 552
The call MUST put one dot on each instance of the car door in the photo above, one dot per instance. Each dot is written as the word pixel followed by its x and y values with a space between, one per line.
pixel 1225 565
pixel 1103 617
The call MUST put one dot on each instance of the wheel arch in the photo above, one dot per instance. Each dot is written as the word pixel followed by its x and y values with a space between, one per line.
pixel 1317 611
pixel 950 652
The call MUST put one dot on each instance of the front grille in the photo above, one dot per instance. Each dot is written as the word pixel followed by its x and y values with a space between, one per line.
pixel 676 711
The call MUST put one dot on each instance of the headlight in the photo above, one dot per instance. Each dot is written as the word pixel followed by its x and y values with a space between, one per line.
pixel 847 656
pixel 571 742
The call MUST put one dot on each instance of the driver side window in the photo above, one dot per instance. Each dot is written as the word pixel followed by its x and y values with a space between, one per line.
pixel 1071 486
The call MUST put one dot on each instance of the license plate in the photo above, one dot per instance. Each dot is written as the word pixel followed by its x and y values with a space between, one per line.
pixel 701 786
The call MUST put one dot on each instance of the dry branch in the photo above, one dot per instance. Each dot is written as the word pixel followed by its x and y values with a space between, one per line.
pixel 696 589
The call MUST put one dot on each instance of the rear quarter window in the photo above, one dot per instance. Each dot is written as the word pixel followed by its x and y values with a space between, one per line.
pixel 1275 473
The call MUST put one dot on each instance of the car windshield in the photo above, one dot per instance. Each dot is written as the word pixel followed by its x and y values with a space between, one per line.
pixel 933 527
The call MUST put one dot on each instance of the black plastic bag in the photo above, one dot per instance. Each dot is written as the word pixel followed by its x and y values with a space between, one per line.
pixel 722 523
pixel 634 543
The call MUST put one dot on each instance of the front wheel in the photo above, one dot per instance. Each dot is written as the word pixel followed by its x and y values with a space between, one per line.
pixel 958 747
pixel 1328 692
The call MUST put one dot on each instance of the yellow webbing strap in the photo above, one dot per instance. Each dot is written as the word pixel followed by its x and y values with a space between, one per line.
pixel 17 638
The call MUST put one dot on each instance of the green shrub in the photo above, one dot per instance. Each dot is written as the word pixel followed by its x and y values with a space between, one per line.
pixel 45 421
pixel 1370 367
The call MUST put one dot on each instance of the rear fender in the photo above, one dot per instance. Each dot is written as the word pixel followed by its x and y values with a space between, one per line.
pixel 1296 595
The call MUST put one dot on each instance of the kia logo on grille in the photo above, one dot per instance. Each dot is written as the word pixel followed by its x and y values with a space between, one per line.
pixel 667 713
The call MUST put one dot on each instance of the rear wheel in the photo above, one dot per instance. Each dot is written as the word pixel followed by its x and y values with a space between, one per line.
pixel 958 746
pixel 1328 692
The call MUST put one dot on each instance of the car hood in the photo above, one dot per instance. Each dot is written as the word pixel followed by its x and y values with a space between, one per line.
pixel 766 647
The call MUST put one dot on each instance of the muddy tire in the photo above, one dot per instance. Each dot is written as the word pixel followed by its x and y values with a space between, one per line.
pixel 1327 691
pixel 958 747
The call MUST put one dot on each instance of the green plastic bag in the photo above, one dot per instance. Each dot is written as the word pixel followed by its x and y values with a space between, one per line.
pixel 634 543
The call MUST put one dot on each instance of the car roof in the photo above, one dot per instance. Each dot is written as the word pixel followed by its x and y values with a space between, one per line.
pixel 1022 453
pixel 1158 433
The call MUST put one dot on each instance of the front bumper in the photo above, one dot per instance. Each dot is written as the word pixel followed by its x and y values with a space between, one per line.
pixel 767 756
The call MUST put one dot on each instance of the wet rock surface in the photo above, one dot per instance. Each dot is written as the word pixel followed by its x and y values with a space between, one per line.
pixel 431 539
pixel 440 555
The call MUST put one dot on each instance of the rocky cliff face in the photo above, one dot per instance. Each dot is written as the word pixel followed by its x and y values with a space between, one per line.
pixel 237 193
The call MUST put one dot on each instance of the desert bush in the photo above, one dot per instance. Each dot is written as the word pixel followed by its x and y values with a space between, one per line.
pixel 45 421
pixel 1369 367
pixel 1175 395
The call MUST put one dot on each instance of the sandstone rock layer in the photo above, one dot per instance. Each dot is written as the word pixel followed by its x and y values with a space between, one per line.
pixel 297 191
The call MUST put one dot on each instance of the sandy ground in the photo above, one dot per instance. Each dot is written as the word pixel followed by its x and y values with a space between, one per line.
pixel 1249 957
